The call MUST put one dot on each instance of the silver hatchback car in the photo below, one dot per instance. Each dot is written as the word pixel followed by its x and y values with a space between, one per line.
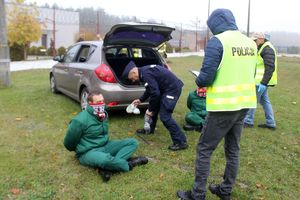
pixel 97 66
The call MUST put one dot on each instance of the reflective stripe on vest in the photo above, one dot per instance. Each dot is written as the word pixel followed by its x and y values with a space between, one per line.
pixel 260 66
pixel 234 85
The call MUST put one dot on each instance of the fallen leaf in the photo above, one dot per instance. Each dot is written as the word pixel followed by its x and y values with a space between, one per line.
pixel 129 133
pixel 294 102
pixel 295 142
pixel 258 185
pixel 161 176
pixel 54 157
pixel 18 119
pixel 15 191
pixel 173 154
pixel 130 197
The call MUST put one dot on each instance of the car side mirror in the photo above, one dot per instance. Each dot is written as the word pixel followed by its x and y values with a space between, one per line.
pixel 58 58
pixel 82 59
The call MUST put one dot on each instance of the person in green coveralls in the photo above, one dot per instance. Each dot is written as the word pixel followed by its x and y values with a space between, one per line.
pixel 87 135
pixel 196 102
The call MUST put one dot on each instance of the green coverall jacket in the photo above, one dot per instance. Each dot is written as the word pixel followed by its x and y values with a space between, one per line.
pixel 198 112
pixel 88 137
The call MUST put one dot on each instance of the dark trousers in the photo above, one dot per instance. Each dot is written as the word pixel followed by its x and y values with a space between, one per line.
pixel 219 125
pixel 167 105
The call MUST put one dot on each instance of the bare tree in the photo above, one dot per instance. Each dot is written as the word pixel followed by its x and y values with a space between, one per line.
pixel 4 49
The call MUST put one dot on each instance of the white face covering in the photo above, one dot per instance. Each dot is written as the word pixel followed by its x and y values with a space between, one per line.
pixel 201 92
pixel 99 110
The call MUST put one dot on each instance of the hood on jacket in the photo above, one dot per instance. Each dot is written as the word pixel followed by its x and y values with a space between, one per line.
pixel 221 20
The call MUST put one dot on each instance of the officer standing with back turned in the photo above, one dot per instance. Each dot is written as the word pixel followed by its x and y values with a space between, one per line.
pixel 228 73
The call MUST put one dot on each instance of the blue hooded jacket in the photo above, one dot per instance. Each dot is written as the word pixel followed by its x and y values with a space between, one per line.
pixel 219 21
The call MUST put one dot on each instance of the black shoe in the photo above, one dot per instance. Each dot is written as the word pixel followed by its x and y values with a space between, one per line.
pixel 105 174
pixel 199 128
pixel 142 131
pixel 215 189
pixel 176 147
pixel 246 125
pixel 135 161
pixel 188 195
pixel 266 126
pixel 188 127
pixel 185 195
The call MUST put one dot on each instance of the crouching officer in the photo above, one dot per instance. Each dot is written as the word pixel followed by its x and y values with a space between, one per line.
pixel 163 89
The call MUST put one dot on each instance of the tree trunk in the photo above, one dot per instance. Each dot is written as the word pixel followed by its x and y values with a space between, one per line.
pixel 25 52
pixel 4 49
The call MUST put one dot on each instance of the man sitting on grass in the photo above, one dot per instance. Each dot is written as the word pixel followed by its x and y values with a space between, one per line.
pixel 87 135
pixel 196 102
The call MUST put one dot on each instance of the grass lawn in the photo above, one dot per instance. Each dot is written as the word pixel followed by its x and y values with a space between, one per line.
pixel 35 165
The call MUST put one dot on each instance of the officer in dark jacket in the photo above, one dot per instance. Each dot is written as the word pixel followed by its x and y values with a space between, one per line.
pixel 163 89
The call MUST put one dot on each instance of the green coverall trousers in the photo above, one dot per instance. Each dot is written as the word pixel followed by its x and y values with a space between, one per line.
pixel 112 156
pixel 194 119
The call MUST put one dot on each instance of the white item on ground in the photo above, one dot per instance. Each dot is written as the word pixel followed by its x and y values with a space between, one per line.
pixel 132 109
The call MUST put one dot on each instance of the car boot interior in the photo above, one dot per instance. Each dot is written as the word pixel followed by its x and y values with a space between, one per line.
pixel 118 61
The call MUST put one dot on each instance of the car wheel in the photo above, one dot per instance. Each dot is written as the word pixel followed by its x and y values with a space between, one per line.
pixel 53 85
pixel 84 98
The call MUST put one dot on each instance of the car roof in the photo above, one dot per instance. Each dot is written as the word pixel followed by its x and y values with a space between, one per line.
pixel 91 42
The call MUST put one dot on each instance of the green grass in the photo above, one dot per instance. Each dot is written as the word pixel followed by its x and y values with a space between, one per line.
pixel 35 165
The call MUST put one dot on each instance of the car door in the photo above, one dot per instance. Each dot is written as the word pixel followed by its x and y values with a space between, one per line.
pixel 79 68
pixel 61 71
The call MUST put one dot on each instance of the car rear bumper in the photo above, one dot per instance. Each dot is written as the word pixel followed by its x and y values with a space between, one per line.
pixel 119 96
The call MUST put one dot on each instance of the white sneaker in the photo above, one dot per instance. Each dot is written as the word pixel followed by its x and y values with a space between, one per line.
pixel 130 108
pixel 136 111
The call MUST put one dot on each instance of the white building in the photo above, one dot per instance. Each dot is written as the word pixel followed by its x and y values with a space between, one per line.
pixel 65 23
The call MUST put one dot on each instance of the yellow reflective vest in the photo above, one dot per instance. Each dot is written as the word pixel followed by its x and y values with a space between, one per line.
pixel 260 66
pixel 234 85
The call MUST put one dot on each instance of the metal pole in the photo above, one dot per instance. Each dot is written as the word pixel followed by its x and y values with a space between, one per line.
pixel 196 48
pixel 54 50
pixel 180 39
pixel 98 26
pixel 4 49
pixel 248 25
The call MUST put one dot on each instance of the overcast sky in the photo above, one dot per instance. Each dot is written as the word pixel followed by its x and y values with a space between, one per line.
pixel 266 15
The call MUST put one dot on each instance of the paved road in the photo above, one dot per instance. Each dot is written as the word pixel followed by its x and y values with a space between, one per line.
pixel 47 64
pixel 37 64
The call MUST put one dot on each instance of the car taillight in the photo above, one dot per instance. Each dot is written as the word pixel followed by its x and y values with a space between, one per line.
pixel 105 74
pixel 113 103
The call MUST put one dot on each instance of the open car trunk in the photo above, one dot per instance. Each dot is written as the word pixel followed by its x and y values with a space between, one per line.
pixel 118 58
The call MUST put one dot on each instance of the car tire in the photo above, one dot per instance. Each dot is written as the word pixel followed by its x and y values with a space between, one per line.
pixel 53 84
pixel 84 98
